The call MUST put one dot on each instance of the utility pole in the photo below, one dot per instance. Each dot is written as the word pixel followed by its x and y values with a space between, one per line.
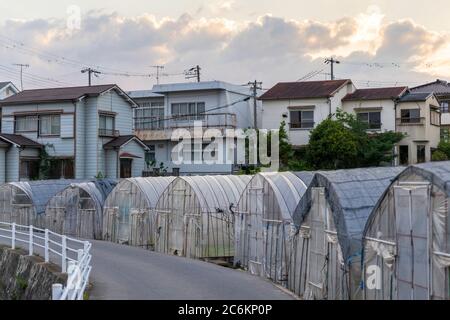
pixel 21 72
pixel 193 73
pixel 331 61
pixel 158 69
pixel 255 86
pixel 90 72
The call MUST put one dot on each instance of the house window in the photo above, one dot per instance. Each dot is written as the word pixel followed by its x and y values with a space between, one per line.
pixel 106 125
pixel 50 125
pixel 372 119
pixel 435 117
pixel 149 118
pixel 188 111
pixel 29 169
pixel 404 155
pixel 302 119
pixel 150 155
pixel 444 107
pixel 421 154
pixel 410 116
pixel 61 169
pixel 26 124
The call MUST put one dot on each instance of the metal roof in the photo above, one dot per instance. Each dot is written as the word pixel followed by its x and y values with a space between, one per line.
pixel 304 89
pixel 20 140
pixel 351 195
pixel 390 93
pixel 416 97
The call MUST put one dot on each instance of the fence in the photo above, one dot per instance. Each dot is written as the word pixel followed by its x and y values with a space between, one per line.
pixel 72 255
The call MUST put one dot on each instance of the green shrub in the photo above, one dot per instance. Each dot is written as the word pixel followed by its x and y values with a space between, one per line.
pixel 438 155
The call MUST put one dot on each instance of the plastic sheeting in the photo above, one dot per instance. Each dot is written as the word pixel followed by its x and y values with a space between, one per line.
pixel 24 202
pixel 336 206
pixel 195 216
pixel 78 209
pixel 129 216
pixel 406 240
pixel 264 226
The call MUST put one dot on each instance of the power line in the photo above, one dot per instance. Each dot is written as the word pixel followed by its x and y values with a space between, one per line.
pixel 331 61
pixel 90 72
pixel 255 86
pixel 158 69
pixel 193 73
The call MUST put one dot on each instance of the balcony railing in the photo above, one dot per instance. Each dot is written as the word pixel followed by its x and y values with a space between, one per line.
pixel 108 133
pixel 410 121
pixel 209 120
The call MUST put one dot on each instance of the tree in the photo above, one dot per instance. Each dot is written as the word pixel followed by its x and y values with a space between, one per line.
pixel 332 146
pixel 344 142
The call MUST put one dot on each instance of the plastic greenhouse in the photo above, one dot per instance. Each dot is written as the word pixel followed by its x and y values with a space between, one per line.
pixel 78 209
pixel 406 241
pixel 194 216
pixel 24 202
pixel 332 215
pixel 264 224
pixel 129 211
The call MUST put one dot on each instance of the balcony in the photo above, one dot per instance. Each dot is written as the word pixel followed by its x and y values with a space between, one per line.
pixel 410 121
pixel 108 133
pixel 210 120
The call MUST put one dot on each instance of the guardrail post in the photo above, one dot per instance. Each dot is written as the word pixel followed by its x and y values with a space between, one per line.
pixel 13 236
pixel 46 246
pixel 80 256
pixel 64 254
pixel 30 241
pixel 57 290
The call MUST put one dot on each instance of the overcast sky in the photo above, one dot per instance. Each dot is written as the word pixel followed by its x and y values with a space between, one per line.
pixel 379 43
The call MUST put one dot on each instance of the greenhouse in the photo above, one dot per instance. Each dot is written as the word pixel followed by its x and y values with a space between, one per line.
pixel 195 216
pixel 406 240
pixel 24 202
pixel 264 225
pixel 332 215
pixel 78 209
pixel 129 211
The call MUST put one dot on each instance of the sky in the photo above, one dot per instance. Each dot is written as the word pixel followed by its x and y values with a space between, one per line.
pixel 379 43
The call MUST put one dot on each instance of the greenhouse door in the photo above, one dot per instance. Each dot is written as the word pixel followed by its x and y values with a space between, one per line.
pixel 176 222
pixel 55 215
pixel 138 235
pixel 412 207
pixel 317 266
pixel 69 215
pixel 21 214
pixel 255 232
pixel 110 224
pixel 192 243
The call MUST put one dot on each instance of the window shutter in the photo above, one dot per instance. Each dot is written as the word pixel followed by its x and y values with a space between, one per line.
pixel 67 124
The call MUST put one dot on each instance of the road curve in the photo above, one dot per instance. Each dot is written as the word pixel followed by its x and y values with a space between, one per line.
pixel 123 272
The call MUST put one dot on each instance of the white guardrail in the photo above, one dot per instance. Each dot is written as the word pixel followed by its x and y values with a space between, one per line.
pixel 71 254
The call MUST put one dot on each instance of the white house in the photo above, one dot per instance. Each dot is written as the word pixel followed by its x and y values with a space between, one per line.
pixel 441 90
pixel 167 107
pixel 302 105
pixel 85 131
pixel 7 89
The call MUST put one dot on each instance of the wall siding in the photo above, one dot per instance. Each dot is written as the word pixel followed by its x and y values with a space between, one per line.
pixel 138 164
pixel 3 165
pixel 12 164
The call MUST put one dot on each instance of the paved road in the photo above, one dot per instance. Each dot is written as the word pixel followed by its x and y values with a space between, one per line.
pixel 122 272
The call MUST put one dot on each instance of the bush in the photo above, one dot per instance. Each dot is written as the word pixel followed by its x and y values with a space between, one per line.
pixel 444 147
pixel 438 155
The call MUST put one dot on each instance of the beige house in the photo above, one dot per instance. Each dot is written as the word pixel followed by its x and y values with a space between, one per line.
pixel 418 116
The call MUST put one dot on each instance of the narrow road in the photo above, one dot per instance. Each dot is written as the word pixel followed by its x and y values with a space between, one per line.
pixel 123 272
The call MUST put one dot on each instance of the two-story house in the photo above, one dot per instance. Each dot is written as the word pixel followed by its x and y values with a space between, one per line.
pixel 441 90
pixel 168 107
pixel 7 89
pixel 82 132
pixel 397 109
pixel 302 105
pixel 418 116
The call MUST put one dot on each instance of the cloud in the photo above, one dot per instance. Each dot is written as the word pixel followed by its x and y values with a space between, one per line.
pixel 269 48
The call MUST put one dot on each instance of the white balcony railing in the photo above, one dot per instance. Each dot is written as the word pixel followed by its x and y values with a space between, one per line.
pixel 71 254
pixel 208 120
